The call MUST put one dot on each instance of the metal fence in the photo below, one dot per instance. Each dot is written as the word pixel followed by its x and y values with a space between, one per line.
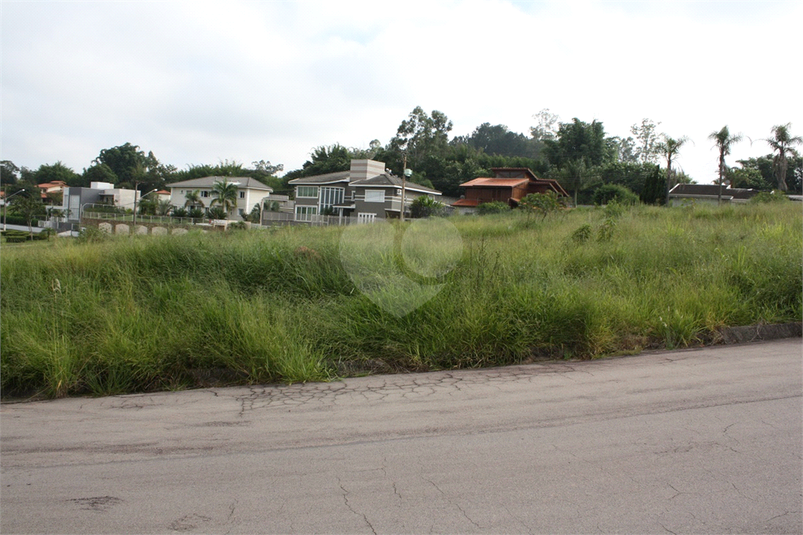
pixel 284 219
pixel 152 219
pixel 268 219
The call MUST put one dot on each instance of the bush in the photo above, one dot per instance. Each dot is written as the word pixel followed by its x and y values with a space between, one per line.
pixel 770 196
pixel 495 207
pixel 424 206
pixel 620 194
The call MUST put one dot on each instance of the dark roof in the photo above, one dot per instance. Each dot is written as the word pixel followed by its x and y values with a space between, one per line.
pixel 329 178
pixel 711 190
pixel 244 182
pixel 386 180
pixel 526 171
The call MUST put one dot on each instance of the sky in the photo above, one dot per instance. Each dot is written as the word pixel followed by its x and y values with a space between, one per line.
pixel 205 82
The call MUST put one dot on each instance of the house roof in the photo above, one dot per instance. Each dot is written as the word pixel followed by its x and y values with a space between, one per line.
pixel 329 178
pixel 526 171
pixel 711 190
pixel 385 180
pixel 495 182
pixel 466 202
pixel 243 182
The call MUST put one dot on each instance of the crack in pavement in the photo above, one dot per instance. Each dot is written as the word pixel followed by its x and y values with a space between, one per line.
pixel 350 508
pixel 450 502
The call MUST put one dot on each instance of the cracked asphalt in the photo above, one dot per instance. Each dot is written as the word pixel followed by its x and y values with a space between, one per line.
pixel 696 441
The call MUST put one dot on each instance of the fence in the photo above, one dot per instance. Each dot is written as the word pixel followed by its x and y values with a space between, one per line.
pixel 268 219
pixel 285 219
pixel 151 219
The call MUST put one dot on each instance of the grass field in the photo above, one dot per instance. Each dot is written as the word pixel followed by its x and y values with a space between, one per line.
pixel 151 313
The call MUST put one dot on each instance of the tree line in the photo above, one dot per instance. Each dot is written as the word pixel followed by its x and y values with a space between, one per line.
pixel 579 154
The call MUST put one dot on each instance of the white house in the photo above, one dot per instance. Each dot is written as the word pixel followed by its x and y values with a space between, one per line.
pixel 76 200
pixel 250 192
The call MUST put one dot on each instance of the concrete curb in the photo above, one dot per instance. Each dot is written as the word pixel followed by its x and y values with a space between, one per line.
pixel 757 333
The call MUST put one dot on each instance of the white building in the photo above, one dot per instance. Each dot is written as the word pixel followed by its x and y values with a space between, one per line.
pixel 250 192
pixel 76 200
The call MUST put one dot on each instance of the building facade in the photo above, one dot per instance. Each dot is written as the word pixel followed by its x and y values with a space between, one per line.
pixel 367 191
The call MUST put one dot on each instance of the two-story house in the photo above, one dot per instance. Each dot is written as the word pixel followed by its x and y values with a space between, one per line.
pixel 509 185
pixel 78 199
pixel 366 191
pixel 250 192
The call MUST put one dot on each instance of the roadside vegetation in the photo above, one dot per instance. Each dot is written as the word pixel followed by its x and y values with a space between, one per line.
pixel 108 315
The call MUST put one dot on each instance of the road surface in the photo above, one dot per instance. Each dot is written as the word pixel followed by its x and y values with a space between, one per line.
pixel 695 441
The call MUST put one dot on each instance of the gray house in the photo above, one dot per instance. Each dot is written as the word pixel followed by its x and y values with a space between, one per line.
pixel 76 200
pixel 366 191
pixel 709 193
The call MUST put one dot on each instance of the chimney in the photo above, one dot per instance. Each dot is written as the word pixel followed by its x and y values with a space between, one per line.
pixel 362 169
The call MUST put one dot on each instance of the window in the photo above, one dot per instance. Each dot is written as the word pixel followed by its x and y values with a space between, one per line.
pixel 330 197
pixel 306 213
pixel 366 218
pixel 307 191
pixel 374 195
pixel 242 195
pixel 205 193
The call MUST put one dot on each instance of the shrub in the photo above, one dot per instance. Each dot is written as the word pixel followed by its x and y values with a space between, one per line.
pixel 424 206
pixel 495 207
pixel 542 203
pixel 216 212
pixel 769 196
pixel 609 192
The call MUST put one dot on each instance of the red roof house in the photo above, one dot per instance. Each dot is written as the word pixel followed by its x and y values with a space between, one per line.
pixel 508 185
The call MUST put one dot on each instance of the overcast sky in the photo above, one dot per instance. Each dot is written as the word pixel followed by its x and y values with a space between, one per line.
pixel 202 82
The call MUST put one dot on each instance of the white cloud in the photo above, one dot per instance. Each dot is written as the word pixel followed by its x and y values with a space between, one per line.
pixel 201 82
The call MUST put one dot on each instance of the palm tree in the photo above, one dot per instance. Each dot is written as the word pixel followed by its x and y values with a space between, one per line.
pixel 193 199
pixel 723 139
pixel 670 148
pixel 225 195
pixel 782 142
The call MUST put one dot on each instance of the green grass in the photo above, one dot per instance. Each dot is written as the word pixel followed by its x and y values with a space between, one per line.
pixel 146 313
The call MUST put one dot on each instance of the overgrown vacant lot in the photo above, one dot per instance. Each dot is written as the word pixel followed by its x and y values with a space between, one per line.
pixel 147 313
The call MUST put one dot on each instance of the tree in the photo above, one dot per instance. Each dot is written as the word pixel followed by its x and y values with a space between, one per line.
pixel 225 193
pixel 420 135
pixel 497 139
pixel 193 199
pixel 670 148
pixel 546 128
pixel 578 141
pixel 100 172
pixel 29 207
pixel 133 167
pixel 724 140
pixel 54 172
pixel 9 173
pixel 623 149
pixel 123 161
pixel 576 175
pixel 782 142
pixel 265 168
pixel 646 141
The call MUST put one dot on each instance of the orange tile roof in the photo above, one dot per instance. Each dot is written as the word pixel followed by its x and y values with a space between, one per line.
pixel 466 202
pixel 495 182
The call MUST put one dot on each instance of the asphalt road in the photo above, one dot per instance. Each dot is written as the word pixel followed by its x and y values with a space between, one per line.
pixel 697 441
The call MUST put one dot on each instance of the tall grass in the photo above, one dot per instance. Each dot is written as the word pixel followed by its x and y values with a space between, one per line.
pixel 150 313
